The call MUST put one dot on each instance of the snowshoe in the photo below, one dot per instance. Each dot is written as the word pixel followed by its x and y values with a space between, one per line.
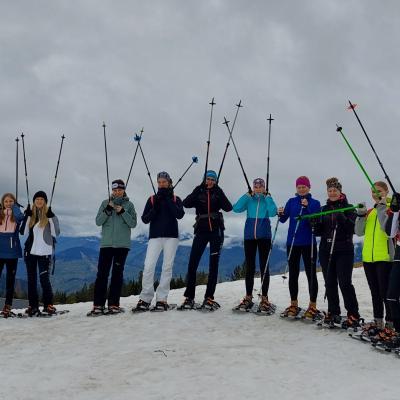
pixel 352 322
pixel 384 335
pixel 330 321
pixel 291 312
pixel 265 307
pixel 96 311
pixel 391 343
pixel 115 310
pixel 188 304
pixel 312 313
pixel 6 312
pixel 30 312
pixel 245 305
pixel 49 310
pixel 162 306
pixel 209 304
pixel 367 332
pixel 141 306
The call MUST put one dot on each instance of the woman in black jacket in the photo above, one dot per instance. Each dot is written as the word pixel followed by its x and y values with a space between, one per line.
pixel 208 199
pixel 336 255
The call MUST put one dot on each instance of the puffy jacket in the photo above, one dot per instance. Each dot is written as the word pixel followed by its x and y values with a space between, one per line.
pixel 343 222
pixel 259 209
pixel 292 210
pixel 208 203
pixel 10 245
pixel 377 245
pixel 162 212
pixel 116 228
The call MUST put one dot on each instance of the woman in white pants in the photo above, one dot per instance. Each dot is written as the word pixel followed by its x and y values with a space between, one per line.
pixel 162 211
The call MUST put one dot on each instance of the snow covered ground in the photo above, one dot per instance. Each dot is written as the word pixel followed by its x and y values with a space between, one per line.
pixel 192 355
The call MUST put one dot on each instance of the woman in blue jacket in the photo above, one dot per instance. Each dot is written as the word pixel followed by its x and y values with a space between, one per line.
pixel 257 235
pixel 10 246
pixel 299 246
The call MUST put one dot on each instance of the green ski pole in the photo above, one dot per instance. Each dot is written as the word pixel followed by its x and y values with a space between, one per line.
pixel 320 214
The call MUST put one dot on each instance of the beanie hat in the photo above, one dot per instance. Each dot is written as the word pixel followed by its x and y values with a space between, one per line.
pixel 164 175
pixel 333 183
pixel 41 194
pixel 211 174
pixel 259 182
pixel 303 180
pixel 118 184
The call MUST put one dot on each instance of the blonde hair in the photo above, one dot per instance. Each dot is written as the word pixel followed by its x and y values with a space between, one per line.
pixel 2 214
pixel 39 215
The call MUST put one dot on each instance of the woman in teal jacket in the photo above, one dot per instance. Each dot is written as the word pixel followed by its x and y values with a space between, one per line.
pixel 117 217
pixel 257 235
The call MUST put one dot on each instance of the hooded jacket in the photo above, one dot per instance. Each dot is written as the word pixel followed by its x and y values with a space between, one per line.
pixel 10 245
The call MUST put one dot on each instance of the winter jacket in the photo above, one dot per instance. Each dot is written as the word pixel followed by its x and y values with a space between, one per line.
pixel 344 223
pixel 393 226
pixel 10 245
pixel 162 212
pixel 292 210
pixel 116 228
pixel 259 209
pixel 208 203
pixel 377 245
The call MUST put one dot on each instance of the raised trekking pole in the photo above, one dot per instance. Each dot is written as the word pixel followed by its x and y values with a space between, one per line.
pixel 339 129
pixel 16 169
pixel 270 119
pixel 137 139
pixel 26 170
pixel 239 105
pixel 134 156
pixel 105 150
pixel 330 258
pixel 328 212
pixel 195 160
pixel 292 243
pixel 226 122
pixel 353 108
pixel 269 256
pixel 212 104
pixel 56 174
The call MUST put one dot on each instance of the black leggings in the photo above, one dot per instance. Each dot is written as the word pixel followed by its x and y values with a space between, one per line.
pixel 393 293
pixel 250 251
pixel 11 266
pixel 378 274
pixel 108 257
pixel 294 270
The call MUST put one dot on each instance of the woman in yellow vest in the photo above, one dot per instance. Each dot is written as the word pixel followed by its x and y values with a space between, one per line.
pixel 377 252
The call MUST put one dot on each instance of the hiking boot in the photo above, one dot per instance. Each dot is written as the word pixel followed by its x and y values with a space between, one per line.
pixel 49 309
pixel 246 304
pixel 141 306
pixel 6 312
pixel 266 306
pixel 32 311
pixel 96 311
pixel 352 322
pixel 210 304
pixel 188 304
pixel 115 310
pixel 312 312
pixel 291 311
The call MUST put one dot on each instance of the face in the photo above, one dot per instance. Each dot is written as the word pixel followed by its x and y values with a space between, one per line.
pixel 333 194
pixel 382 193
pixel 302 190
pixel 118 192
pixel 8 202
pixel 39 202
pixel 162 183
pixel 258 189
pixel 210 182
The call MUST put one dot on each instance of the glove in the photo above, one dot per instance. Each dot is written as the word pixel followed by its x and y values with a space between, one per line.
pixel 109 208
pixel 121 211
pixel 250 193
pixel 28 211
pixel 395 203
pixel 49 213
pixel 362 212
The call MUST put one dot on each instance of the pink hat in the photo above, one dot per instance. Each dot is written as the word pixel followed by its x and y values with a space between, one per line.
pixel 303 180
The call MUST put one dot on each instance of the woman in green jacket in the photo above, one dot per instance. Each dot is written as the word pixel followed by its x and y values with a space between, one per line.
pixel 377 252
pixel 116 217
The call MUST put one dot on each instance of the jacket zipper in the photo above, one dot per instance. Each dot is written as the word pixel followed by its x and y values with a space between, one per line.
pixel 208 206
pixel 11 243
pixel 373 237
pixel 255 225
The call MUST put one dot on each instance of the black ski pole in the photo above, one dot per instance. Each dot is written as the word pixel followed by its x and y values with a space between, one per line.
pixel 212 104
pixel 353 108
pixel 195 160
pixel 26 170
pixel 239 105
pixel 313 266
pixel 226 122
pixel 270 119
pixel 137 138
pixel 56 174
pixel 330 258
pixel 105 150
pixel 134 156
pixel 16 169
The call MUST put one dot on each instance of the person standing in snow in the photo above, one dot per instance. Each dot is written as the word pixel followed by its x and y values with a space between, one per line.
pixel 117 217
pixel 162 211
pixel 10 246
pixel 299 244
pixel 336 255
pixel 42 227
pixel 260 208
pixel 208 199
pixel 377 253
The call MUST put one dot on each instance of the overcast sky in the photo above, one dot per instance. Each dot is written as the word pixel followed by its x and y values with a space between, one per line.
pixel 65 67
